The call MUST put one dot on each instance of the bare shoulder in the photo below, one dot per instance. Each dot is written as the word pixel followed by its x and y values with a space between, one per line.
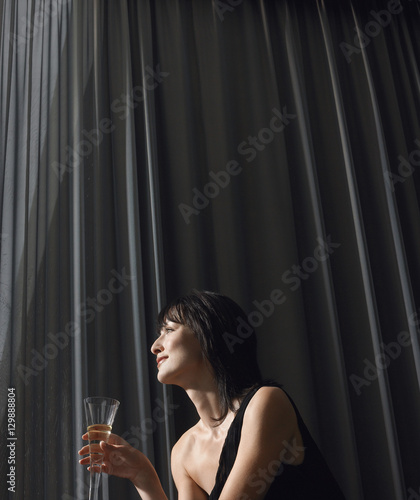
pixel 185 444
pixel 270 396
pixel 271 426
pixel 270 406
pixel 181 458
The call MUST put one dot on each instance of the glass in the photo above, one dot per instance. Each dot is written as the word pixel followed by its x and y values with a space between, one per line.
pixel 100 413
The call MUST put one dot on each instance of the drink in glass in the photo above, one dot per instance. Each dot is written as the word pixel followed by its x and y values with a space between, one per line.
pixel 100 413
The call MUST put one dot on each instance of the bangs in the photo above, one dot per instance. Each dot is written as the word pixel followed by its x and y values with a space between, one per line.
pixel 172 312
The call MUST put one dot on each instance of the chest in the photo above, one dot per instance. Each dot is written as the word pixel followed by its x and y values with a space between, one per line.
pixel 203 462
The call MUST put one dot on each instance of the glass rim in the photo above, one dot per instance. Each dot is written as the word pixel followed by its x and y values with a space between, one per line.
pixel 93 399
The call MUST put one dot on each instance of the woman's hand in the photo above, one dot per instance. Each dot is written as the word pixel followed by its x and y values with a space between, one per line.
pixel 119 458
pixel 122 460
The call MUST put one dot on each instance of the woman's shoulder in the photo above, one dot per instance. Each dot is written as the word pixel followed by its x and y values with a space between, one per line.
pixel 268 398
pixel 185 443
pixel 269 407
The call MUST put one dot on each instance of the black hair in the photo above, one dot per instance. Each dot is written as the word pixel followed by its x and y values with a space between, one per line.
pixel 227 340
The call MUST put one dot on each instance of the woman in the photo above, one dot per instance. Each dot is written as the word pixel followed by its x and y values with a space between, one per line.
pixel 250 441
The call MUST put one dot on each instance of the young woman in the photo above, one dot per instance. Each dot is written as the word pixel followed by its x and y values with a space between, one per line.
pixel 250 442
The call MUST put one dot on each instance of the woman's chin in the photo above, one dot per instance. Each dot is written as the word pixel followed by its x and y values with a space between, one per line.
pixel 164 378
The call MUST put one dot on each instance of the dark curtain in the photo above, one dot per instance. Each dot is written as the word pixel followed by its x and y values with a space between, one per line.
pixel 266 150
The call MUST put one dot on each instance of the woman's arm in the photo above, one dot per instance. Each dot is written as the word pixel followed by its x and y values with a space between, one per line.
pixel 270 436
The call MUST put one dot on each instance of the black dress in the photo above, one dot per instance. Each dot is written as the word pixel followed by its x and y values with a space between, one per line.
pixel 311 480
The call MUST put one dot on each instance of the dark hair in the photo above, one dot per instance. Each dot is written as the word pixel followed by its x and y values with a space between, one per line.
pixel 227 340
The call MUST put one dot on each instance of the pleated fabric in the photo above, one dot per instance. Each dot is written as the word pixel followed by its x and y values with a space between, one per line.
pixel 268 150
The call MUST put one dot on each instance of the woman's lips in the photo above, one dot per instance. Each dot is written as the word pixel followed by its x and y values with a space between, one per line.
pixel 161 360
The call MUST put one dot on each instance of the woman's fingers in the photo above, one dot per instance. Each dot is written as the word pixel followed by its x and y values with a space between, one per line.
pixel 84 450
pixel 115 456
pixel 112 453
pixel 108 446
pixel 115 439
pixel 97 448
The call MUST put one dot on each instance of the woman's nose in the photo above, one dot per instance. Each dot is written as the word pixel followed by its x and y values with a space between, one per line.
pixel 157 346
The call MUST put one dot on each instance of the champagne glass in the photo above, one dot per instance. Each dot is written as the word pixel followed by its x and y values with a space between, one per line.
pixel 100 413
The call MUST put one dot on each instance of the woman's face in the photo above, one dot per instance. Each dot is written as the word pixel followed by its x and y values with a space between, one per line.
pixel 179 357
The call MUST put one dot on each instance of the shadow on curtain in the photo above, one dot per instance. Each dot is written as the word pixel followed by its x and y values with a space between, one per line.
pixel 267 150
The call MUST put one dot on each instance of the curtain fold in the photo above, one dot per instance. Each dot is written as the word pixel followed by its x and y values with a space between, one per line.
pixel 77 265
pixel 267 150
pixel 323 316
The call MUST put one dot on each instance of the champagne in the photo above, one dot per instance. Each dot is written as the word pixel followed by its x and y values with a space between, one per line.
pixel 99 429
pixel 97 433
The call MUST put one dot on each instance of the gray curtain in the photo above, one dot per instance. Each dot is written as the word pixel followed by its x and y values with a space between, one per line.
pixel 81 274
pixel 267 150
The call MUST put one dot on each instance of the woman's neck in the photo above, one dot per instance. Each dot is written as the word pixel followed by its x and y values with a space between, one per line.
pixel 206 400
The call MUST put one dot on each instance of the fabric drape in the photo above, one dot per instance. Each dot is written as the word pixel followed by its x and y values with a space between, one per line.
pixel 76 285
pixel 266 150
